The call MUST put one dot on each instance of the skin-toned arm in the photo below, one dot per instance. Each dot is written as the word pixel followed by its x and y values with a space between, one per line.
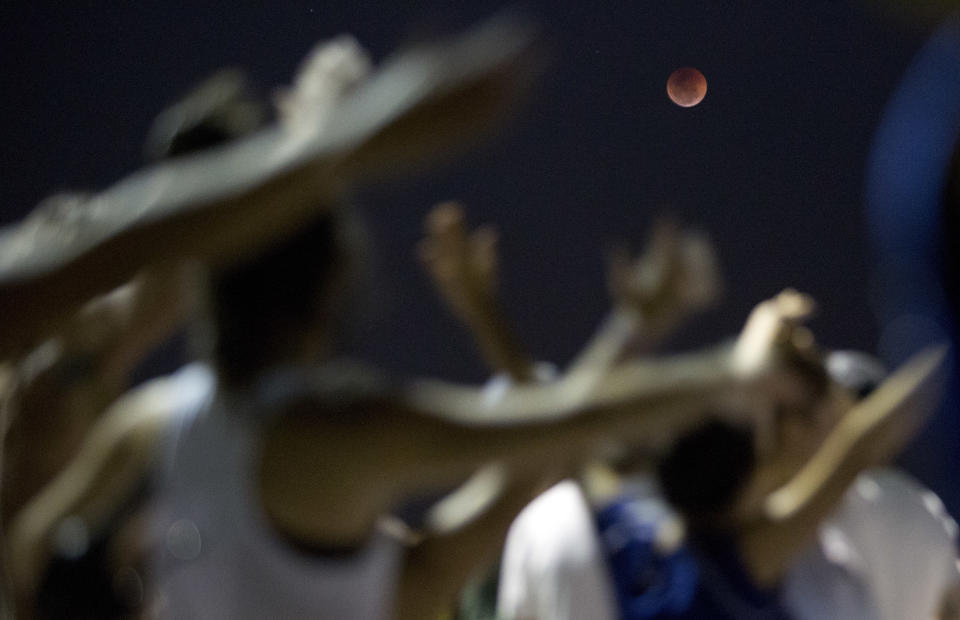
pixel 437 568
pixel 365 456
pixel 950 604
pixel 117 454
pixel 236 201
pixel 67 384
pixel 159 302
pixel 463 268
pixel 870 434
pixel 675 278
pixel 463 537
pixel 432 435
pixel 38 306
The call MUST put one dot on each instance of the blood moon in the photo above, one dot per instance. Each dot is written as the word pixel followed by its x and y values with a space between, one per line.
pixel 686 87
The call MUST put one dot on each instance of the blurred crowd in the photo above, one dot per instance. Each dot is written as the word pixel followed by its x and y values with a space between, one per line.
pixel 272 476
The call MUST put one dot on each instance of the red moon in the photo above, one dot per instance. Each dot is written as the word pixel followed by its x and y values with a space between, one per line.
pixel 686 87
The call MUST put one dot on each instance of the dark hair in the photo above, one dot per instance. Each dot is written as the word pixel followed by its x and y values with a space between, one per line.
pixel 264 307
pixel 705 469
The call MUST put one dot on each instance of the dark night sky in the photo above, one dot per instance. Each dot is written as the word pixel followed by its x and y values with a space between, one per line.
pixel 771 163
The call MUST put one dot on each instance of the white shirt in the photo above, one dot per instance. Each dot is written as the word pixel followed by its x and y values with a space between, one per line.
pixel 221 558
pixel 887 553
pixel 897 554
pixel 553 566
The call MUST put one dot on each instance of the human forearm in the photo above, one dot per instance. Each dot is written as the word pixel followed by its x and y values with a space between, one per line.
pixel 498 345
pixel 870 434
pixel 463 266
pixel 437 569
pixel 115 458
pixel 432 435
pixel 633 385
pixel 619 330
pixel 642 405
pixel 676 277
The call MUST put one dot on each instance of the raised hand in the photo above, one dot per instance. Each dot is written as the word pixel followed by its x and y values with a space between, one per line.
pixel 675 277
pixel 462 265
pixel 463 268
pixel 324 77
pixel 775 327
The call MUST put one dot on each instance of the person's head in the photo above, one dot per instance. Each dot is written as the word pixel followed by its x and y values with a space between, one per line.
pixel 706 469
pixel 278 307
pixel 719 473
pixel 274 306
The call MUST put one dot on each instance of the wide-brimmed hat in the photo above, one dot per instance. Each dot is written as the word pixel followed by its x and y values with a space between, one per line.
pixel 230 200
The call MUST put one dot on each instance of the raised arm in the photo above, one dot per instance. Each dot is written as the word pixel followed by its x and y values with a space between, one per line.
pixel 464 269
pixel 65 386
pixel 237 199
pixel 676 277
pixel 376 451
pixel 874 431
pixel 142 315
pixel 437 567
pixel 115 457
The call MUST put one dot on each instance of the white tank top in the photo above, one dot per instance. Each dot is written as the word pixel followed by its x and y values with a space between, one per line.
pixel 887 553
pixel 220 558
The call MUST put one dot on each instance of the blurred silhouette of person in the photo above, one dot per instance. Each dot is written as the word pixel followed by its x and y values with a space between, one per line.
pixel 61 392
